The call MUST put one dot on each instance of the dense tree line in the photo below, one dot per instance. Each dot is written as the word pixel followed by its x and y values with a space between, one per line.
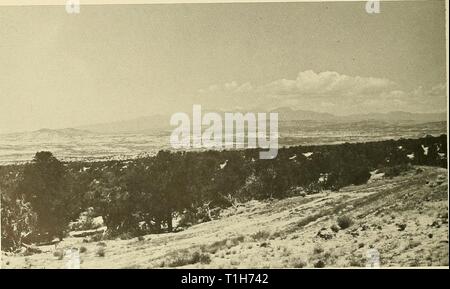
pixel 145 195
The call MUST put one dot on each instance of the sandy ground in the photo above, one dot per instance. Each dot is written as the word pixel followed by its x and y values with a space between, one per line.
pixel 395 222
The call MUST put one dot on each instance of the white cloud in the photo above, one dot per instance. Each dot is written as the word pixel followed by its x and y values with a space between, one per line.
pixel 311 84
pixel 327 91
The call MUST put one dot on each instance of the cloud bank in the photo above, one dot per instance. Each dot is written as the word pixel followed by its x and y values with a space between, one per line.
pixel 327 91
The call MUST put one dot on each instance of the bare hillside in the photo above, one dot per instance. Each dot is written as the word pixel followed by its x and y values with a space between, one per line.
pixel 405 219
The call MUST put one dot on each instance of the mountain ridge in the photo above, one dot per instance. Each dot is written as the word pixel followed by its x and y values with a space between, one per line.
pixel 159 122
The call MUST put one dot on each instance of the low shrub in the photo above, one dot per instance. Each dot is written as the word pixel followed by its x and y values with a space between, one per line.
pixel 344 221
pixel 261 235
pixel 100 252
pixel 186 259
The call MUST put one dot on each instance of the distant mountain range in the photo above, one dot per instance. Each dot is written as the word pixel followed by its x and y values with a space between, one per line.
pixel 157 124
pixel 147 124
pixel 289 114
pixel 49 134
pixel 399 116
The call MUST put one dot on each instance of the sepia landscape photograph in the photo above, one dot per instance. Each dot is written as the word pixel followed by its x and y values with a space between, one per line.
pixel 258 135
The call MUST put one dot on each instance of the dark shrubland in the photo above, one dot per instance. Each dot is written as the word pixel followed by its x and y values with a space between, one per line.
pixel 146 195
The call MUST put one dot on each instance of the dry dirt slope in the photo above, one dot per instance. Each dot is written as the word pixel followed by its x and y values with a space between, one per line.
pixel 405 219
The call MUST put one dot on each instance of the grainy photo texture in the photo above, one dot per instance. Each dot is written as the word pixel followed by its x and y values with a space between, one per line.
pixel 224 135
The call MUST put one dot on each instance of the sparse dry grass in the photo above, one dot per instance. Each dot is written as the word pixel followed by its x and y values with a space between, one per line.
pixel 298 263
pixel 261 236
pixel 190 258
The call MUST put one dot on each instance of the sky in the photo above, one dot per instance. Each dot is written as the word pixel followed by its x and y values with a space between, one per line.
pixel 116 62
